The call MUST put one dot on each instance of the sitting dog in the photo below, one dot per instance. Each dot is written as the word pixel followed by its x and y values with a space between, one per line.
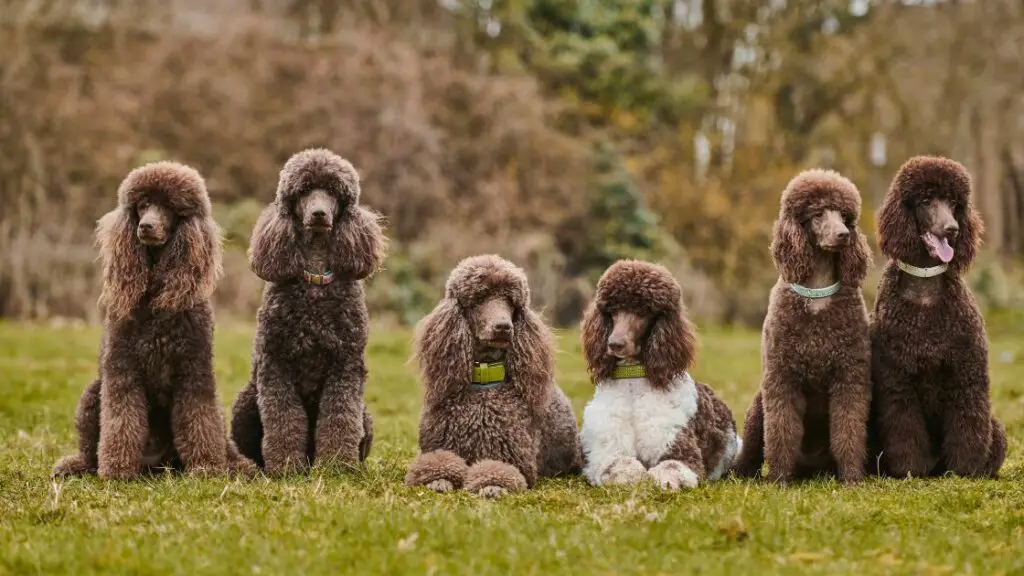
pixel 313 246
pixel 155 405
pixel 931 408
pixel 648 417
pixel 493 418
pixel 810 415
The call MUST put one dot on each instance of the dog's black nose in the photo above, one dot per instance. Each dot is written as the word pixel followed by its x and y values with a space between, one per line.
pixel 616 345
pixel 503 327
pixel 146 226
pixel 320 214
pixel 843 236
pixel 951 229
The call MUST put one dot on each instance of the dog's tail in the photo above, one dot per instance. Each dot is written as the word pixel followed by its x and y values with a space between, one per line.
pixel 751 452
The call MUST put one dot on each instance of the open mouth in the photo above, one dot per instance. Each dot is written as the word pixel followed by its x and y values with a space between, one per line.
pixel 938 247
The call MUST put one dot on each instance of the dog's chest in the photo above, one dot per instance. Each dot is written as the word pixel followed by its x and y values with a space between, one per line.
pixel 633 419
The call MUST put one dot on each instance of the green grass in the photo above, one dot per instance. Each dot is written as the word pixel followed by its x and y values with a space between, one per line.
pixel 366 522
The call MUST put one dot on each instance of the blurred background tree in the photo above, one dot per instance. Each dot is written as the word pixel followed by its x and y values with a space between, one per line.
pixel 564 134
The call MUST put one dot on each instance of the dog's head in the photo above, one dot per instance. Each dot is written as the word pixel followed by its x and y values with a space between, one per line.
pixel 485 316
pixel 317 200
pixel 820 213
pixel 162 237
pixel 638 315
pixel 928 217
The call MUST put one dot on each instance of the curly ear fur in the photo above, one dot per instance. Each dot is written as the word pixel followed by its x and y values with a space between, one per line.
pixel 125 263
pixel 791 249
pixel 189 265
pixel 594 331
pixel 273 248
pixel 530 361
pixel 670 349
pixel 359 246
pixel 933 176
pixel 855 259
pixel 444 350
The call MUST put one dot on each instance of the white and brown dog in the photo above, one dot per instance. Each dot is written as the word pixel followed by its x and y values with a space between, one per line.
pixel 648 417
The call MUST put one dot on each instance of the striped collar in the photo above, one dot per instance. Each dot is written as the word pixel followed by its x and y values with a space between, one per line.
pixel 625 371
pixel 816 293
pixel 487 375
pixel 922 272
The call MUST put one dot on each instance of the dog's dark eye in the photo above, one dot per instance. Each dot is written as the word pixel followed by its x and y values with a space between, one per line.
pixel 925 202
pixel 143 204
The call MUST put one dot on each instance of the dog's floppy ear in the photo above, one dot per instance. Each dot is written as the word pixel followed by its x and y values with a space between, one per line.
pixel 359 246
pixel 855 259
pixel 531 362
pixel 444 350
pixel 273 251
pixel 125 266
pixel 670 348
pixel 967 243
pixel 791 249
pixel 594 331
pixel 189 264
pixel 897 227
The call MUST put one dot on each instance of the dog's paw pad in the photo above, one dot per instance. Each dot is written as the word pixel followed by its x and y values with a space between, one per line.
pixel 625 470
pixel 673 475
pixel 441 486
pixel 491 492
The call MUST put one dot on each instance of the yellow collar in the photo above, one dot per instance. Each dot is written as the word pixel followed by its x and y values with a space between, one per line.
pixel 629 371
pixel 488 375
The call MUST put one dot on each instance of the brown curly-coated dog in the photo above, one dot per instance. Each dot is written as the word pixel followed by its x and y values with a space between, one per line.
pixel 810 415
pixel 313 246
pixel 648 417
pixel 931 407
pixel 496 434
pixel 155 402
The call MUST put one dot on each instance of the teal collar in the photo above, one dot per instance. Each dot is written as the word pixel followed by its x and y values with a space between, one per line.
pixel 922 272
pixel 816 293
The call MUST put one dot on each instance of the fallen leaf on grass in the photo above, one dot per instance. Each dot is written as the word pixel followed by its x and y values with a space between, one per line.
pixel 408 543
pixel 733 529
pixel 807 557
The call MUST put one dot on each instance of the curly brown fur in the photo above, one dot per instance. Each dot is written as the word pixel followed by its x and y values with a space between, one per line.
pixel 664 425
pixel 526 422
pixel 931 410
pixel 304 402
pixel 155 403
pixel 810 415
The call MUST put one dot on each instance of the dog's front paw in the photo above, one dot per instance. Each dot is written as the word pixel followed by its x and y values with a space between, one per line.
pixel 624 470
pixel 492 492
pixel 441 486
pixel 673 475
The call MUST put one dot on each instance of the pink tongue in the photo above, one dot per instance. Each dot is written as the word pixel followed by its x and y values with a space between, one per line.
pixel 942 248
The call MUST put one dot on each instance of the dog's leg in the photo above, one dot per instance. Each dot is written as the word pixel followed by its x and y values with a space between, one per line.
pixel 784 408
pixel 87 421
pixel 901 425
pixel 967 414
pixel 997 450
pixel 124 424
pixel 339 425
pixel 849 404
pixel 751 456
pixel 285 424
pixel 492 479
pixel 246 428
pixel 682 466
pixel 197 422
pixel 439 470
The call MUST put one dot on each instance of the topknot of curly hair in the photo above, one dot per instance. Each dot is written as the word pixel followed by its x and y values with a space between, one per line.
pixel 637 286
pixel 819 189
pixel 478 278
pixel 178 186
pixel 932 177
pixel 319 168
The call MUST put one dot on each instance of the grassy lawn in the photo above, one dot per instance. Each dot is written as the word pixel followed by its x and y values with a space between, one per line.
pixel 332 522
